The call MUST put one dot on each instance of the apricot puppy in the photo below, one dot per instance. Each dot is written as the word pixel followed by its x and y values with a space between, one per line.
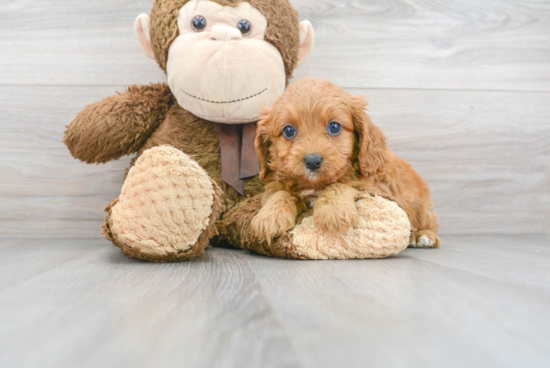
pixel 319 149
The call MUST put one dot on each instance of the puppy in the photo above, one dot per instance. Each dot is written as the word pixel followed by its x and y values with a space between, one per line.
pixel 319 149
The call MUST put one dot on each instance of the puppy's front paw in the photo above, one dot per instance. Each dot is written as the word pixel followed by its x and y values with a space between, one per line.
pixel 335 217
pixel 268 224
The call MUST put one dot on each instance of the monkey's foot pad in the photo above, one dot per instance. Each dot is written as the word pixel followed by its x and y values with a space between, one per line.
pixel 383 229
pixel 166 209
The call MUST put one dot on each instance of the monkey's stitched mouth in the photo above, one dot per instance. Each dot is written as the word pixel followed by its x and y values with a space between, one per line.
pixel 224 102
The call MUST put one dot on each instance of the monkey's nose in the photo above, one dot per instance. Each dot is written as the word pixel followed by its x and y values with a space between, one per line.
pixel 313 162
pixel 224 33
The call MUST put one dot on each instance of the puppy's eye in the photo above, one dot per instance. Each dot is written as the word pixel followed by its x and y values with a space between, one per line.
pixel 198 23
pixel 244 26
pixel 289 132
pixel 334 128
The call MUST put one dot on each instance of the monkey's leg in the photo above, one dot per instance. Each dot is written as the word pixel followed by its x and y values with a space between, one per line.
pixel 167 209
pixel 235 227
pixel 382 229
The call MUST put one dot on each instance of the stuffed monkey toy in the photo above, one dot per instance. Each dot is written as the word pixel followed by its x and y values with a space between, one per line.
pixel 194 180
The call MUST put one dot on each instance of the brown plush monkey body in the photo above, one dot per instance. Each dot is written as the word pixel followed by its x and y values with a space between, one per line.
pixel 224 59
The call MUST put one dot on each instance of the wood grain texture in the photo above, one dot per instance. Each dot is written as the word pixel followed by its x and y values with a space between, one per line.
pixel 56 42
pixel 44 191
pixel 481 301
pixel 460 87
pixel 439 44
pixel 486 157
pixel 443 44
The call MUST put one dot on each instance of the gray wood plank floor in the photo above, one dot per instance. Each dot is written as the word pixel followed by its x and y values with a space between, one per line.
pixel 480 301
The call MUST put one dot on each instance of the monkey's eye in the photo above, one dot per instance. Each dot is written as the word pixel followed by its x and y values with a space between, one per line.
pixel 244 26
pixel 334 128
pixel 198 23
pixel 289 132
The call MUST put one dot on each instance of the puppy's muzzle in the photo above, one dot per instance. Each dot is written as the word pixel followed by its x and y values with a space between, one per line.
pixel 313 162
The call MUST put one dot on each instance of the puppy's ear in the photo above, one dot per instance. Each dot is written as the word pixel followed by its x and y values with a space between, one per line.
pixel 263 141
pixel 373 152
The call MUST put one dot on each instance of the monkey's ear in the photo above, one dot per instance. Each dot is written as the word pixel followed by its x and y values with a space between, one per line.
pixel 307 41
pixel 142 27
pixel 263 142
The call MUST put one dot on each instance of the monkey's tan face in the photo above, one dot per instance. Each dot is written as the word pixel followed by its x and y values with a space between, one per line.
pixel 220 68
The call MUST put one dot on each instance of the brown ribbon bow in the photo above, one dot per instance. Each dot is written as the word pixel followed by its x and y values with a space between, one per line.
pixel 239 158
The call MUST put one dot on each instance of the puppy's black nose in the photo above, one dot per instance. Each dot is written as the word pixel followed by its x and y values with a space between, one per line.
pixel 313 162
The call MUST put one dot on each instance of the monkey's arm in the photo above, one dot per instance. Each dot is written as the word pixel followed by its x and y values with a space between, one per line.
pixel 118 125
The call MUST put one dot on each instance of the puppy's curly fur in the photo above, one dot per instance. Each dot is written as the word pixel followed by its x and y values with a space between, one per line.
pixel 354 161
